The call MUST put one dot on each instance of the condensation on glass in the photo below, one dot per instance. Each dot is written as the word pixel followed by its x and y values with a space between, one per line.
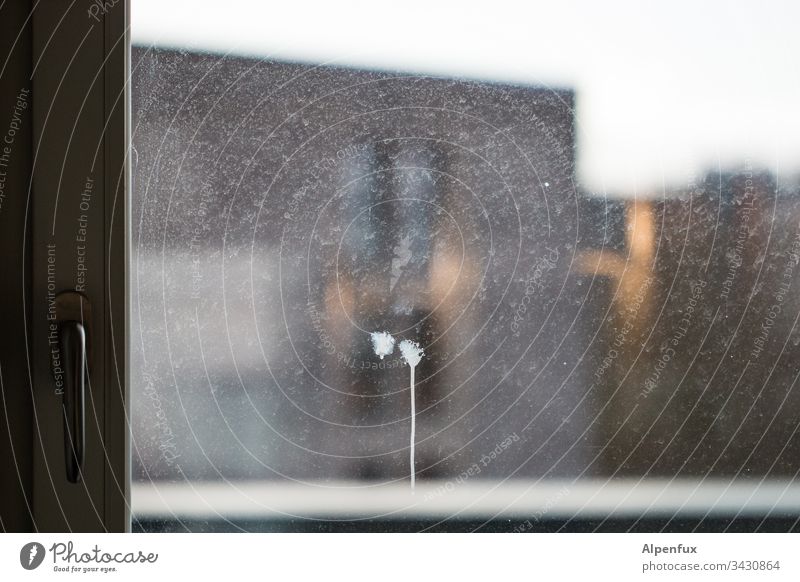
pixel 283 211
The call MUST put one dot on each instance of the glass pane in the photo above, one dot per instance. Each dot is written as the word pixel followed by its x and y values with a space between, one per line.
pixel 590 227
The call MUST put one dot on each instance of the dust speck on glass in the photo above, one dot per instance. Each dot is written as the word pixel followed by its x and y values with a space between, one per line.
pixel 305 236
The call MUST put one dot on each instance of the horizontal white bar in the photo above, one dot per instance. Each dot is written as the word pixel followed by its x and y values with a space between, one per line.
pixel 467 499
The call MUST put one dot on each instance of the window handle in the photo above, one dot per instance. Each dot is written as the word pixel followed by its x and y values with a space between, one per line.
pixel 73 348
pixel 74 317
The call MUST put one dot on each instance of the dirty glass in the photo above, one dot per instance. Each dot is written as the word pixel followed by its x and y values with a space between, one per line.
pixel 598 258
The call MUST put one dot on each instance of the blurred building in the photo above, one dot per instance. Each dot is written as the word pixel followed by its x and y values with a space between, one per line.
pixel 284 211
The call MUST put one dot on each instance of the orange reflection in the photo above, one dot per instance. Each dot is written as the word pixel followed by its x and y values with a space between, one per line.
pixel 632 269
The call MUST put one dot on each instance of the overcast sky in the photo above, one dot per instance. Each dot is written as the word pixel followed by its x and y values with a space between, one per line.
pixel 662 91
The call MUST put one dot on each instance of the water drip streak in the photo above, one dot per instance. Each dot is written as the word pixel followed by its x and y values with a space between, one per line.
pixel 413 428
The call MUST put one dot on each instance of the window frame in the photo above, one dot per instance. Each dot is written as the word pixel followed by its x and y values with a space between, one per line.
pixel 81 104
